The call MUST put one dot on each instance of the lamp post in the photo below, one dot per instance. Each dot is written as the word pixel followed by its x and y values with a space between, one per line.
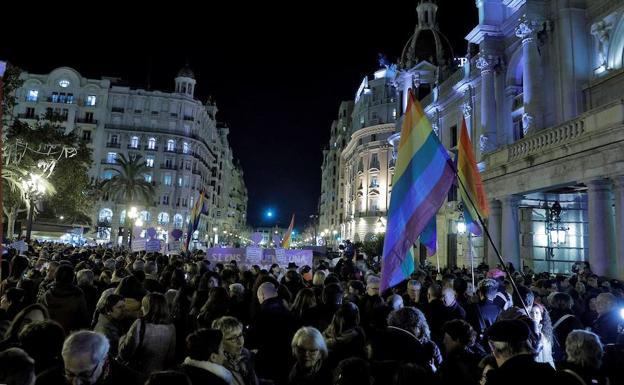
pixel 132 215
pixel 314 217
pixel 34 187
pixel 555 231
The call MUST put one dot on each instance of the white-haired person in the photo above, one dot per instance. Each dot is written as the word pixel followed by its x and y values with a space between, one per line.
pixel 583 359
pixel 310 352
pixel 238 359
pixel 86 362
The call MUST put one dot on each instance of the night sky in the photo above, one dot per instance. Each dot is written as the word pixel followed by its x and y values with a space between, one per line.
pixel 277 72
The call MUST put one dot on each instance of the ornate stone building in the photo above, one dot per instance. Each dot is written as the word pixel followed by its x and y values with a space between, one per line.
pixel 540 88
pixel 177 135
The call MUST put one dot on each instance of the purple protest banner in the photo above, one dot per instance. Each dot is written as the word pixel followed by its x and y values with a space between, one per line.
pixel 250 256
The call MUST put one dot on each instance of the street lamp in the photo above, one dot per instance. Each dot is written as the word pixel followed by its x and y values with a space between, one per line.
pixel 35 187
pixel 461 225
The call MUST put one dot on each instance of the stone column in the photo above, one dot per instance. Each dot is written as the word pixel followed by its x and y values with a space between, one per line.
pixel 487 137
pixel 601 227
pixel 618 193
pixel 494 227
pixel 510 234
pixel 532 117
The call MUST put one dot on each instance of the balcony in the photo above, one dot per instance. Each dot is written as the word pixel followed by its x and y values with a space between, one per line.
pixel 131 147
pixel 189 118
pixel 86 121
pixel 113 145
pixel 165 166
pixel 118 109
pixel 28 116
pixel 170 150
pixel 109 161
pixel 60 100
pixel 148 148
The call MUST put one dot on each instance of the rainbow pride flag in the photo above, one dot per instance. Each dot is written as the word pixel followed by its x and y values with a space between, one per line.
pixel 198 209
pixel 472 193
pixel 288 235
pixel 423 176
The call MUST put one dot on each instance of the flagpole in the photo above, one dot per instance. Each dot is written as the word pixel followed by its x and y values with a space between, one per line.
pixel 489 237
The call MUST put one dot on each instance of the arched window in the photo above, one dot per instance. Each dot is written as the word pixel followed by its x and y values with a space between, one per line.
pixel 106 215
pixel 151 143
pixel 134 142
pixel 177 221
pixel 163 218
pixel 145 216
pixel 185 147
pixel 170 145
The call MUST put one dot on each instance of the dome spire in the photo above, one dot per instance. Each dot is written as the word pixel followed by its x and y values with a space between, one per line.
pixel 427 14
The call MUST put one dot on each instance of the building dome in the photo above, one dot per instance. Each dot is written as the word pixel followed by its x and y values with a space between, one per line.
pixel 186 72
pixel 427 42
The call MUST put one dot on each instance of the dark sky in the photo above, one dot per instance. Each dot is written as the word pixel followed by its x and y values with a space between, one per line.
pixel 277 72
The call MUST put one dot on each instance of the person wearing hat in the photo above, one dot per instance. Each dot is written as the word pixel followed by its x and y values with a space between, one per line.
pixel 510 345
pixel 292 266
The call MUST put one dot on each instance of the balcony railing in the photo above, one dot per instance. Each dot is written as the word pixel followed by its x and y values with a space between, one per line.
pixel 547 138
pixel 165 166
pixel 118 109
pixel 148 148
pixel 109 161
pixel 131 147
pixel 113 145
pixel 86 121
pixel 28 116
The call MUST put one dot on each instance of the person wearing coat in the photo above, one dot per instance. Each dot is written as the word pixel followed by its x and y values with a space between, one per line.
pixel 66 302
pixel 204 363
pixel 149 345
pixel 109 321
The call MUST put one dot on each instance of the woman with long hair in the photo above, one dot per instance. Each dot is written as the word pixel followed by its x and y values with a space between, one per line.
pixel 344 336
pixel 304 300
pixel 149 345
pixel 540 316
pixel 217 306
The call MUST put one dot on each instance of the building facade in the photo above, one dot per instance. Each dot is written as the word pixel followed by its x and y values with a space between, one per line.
pixel 177 135
pixel 540 91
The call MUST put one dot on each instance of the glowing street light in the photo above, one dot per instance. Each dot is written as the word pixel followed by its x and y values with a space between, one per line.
pixel 35 187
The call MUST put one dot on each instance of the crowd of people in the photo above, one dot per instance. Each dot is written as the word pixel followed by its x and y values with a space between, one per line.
pixel 111 317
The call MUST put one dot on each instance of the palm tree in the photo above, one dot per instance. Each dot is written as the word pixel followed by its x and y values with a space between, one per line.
pixel 128 185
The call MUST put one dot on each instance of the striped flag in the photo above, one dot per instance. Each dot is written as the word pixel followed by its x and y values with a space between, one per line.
pixel 423 176
pixel 472 193
pixel 198 209
pixel 288 235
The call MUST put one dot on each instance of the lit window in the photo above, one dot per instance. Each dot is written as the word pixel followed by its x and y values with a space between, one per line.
pixel 63 83
pixel 163 218
pixel 134 142
pixel 167 180
pixel 149 161
pixel 170 145
pixel 151 143
pixel 91 100
pixel 180 182
pixel 111 157
pixel 145 216
pixel 148 178
pixel 32 96
pixel 185 147
pixel 177 221
pixel 105 215
pixel 394 113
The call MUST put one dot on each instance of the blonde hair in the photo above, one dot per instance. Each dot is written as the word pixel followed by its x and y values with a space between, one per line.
pixel 308 333
pixel 319 278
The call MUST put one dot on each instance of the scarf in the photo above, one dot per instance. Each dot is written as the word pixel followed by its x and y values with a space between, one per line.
pixel 213 368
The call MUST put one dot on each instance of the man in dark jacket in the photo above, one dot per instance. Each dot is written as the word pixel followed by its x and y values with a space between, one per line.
pixel 483 314
pixel 66 302
pixel 606 326
pixel 438 313
pixel 461 364
pixel 509 342
pixel 271 332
